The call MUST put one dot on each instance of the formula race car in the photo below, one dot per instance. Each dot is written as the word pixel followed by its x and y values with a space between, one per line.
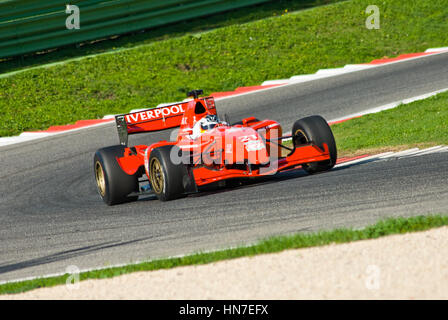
pixel 205 150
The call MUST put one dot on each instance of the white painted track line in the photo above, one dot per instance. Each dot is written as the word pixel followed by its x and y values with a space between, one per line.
pixel 391 105
pixel 428 150
pixel 401 153
pixel 443 49
pixel 444 149
pixel 28 136
pixel 365 159
pixel 414 152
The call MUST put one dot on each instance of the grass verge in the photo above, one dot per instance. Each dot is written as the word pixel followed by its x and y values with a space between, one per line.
pixel 270 245
pixel 220 60
pixel 420 124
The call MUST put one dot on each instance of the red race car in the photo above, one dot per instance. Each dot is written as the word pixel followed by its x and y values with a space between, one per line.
pixel 204 150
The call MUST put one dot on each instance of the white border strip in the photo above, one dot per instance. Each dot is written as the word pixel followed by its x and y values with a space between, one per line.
pixel 390 105
pixel 437 49
pixel 29 136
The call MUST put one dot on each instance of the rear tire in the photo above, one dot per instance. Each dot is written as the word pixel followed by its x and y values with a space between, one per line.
pixel 315 129
pixel 113 183
pixel 166 177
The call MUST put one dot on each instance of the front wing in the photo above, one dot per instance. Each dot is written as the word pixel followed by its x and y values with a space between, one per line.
pixel 300 155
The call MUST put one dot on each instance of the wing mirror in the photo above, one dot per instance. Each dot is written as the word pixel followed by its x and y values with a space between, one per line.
pixel 188 131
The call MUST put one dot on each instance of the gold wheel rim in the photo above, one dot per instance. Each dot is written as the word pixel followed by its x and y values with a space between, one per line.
pixel 156 173
pixel 100 180
pixel 302 133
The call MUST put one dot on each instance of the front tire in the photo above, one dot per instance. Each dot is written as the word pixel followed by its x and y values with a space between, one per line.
pixel 315 129
pixel 114 185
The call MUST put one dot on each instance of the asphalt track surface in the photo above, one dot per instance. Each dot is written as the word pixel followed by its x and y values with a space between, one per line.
pixel 51 215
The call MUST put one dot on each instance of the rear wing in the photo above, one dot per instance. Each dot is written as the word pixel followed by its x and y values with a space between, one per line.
pixel 154 119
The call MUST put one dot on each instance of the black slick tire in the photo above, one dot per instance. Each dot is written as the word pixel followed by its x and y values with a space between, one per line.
pixel 114 185
pixel 315 129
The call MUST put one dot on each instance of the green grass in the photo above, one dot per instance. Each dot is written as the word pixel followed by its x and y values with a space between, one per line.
pixel 419 123
pixel 201 24
pixel 220 60
pixel 274 244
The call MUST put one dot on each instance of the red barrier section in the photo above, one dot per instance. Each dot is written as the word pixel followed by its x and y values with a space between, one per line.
pixel 347 159
pixel 242 90
pixel 400 57
pixel 343 120
pixel 77 125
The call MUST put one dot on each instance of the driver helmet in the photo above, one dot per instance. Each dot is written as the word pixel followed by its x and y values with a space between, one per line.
pixel 209 122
